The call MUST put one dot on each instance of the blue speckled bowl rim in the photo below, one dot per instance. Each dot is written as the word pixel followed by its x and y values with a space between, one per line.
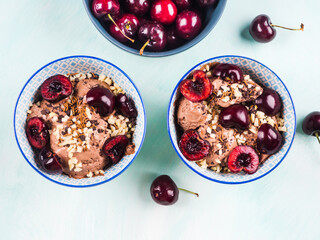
pixel 180 49
pixel 144 131
pixel 182 158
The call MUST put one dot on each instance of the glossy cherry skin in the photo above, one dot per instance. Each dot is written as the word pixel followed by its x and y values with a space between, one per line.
pixel 311 124
pixel 155 33
pixel 269 102
pixel 269 140
pixel 173 40
pixel 102 99
pixel 128 23
pixel 261 29
pixel 228 72
pixel 164 11
pixel 137 7
pixel 206 3
pixel 101 9
pixel 49 161
pixel 164 191
pixel 188 24
pixel 235 116
pixel 183 4
pixel 126 105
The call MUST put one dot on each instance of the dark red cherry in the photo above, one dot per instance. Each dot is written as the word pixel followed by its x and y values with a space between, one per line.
pixel 56 88
pixel 103 8
pixel 153 35
pixel 163 11
pixel 49 161
pixel 193 147
pixel 243 158
pixel 188 24
pixel 269 102
pixel 198 88
pixel 102 99
pixel 269 140
pixel 164 191
pixel 228 72
pixel 311 124
pixel 262 30
pixel 115 147
pixel 173 40
pixel 137 7
pixel 183 4
pixel 206 3
pixel 125 28
pixel 37 132
pixel 126 105
pixel 235 116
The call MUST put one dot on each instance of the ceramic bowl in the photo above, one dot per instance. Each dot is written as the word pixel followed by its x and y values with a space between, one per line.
pixel 212 17
pixel 79 64
pixel 265 76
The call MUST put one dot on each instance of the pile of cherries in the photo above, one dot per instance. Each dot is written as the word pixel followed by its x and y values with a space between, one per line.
pixel 269 140
pixel 158 25
pixel 59 87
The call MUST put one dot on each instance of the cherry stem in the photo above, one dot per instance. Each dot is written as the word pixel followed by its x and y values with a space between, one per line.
pixel 109 16
pixel 292 29
pixel 318 137
pixel 182 189
pixel 143 47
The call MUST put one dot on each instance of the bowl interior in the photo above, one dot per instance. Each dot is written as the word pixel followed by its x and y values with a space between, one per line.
pixel 212 17
pixel 267 78
pixel 79 64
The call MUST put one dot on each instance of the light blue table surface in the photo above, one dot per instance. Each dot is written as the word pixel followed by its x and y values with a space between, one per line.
pixel 283 205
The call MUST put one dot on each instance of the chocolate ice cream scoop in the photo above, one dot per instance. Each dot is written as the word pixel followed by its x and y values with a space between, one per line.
pixel 222 141
pixel 191 115
pixel 227 94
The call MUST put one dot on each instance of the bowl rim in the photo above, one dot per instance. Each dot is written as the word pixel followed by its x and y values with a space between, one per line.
pixel 180 49
pixel 72 185
pixel 182 158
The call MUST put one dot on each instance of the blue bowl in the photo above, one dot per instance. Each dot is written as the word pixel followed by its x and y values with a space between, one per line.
pixel 265 76
pixel 212 18
pixel 77 64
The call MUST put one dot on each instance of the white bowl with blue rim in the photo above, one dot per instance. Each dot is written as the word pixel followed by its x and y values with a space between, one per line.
pixel 77 64
pixel 265 76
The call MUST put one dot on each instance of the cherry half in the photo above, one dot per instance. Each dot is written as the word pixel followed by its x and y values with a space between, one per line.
pixel 269 102
pixel 198 88
pixel 193 147
pixel 37 132
pixel 115 147
pixel 228 72
pixel 164 191
pixel 164 11
pixel 311 124
pixel 243 158
pixel 269 140
pixel 125 28
pixel 102 99
pixel 188 24
pixel 235 116
pixel 56 88
pixel 153 35
pixel 262 30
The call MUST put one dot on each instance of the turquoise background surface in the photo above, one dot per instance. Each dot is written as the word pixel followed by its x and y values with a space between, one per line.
pixel 282 205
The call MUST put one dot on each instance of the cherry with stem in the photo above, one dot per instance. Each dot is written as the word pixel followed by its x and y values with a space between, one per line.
pixel 111 19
